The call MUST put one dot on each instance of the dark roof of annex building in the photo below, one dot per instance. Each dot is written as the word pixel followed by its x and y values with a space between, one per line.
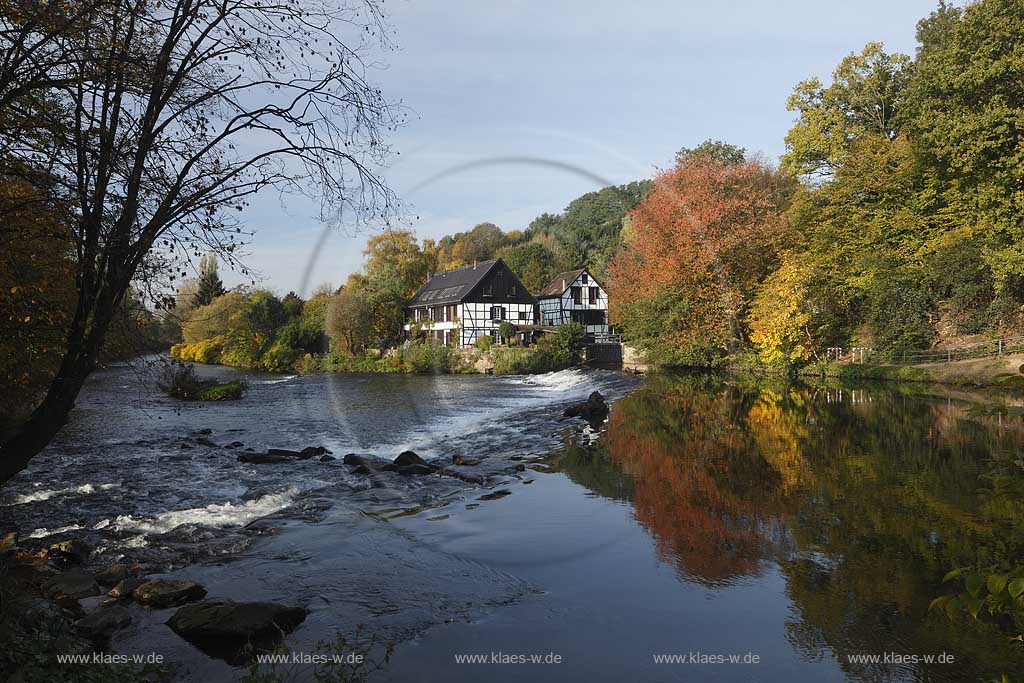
pixel 559 283
pixel 450 287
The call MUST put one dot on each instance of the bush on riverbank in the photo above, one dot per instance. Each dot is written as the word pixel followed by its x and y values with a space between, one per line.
pixel 180 381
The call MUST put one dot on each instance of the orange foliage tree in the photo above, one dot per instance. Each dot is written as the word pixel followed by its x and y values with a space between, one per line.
pixel 700 242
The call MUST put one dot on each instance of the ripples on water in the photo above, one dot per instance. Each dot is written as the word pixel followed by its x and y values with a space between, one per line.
pixel 131 467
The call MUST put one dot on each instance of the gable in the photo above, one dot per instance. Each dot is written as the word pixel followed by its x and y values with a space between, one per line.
pixel 500 285
pixel 563 282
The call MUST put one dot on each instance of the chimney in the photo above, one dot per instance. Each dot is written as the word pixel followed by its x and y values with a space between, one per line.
pixel 563 284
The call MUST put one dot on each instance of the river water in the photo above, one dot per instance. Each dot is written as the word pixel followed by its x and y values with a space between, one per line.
pixel 750 532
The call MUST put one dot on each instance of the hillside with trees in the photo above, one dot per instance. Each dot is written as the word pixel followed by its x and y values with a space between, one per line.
pixel 894 220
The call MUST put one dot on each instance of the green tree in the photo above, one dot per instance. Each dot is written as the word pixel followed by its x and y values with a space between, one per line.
pixel 715 150
pixel 966 104
pixel 208 286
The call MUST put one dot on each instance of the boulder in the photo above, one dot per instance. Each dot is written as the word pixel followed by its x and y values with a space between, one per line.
pixel 415 470
pixel 495 495
pixel 101 624
pixel 464 461
pixel 113 575
pixel 313 451
pixel 289 453
pixel 361 469
pixel 355 459
pixel 409 458
pixel 234 444
pixel 223 627
pixel 327 458
pixel 206 431
pixel 203 441
pixel 594 410
pixel 124 588
pixel 73 584
pixel 160 593
pixel 70 551
pixel 264 458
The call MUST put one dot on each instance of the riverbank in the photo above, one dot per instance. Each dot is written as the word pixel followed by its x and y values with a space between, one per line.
pixel 412 359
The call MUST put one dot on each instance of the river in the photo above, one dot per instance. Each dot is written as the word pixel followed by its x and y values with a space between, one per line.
pixel 742 532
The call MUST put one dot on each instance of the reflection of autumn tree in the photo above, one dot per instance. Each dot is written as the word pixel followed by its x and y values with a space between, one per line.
pixel 700 487
pixel 864 506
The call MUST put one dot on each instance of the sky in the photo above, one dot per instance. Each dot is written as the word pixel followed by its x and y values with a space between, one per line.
pixel 518 107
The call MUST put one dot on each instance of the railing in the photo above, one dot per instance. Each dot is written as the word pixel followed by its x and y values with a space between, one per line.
pixel 604 338
pixel 983 349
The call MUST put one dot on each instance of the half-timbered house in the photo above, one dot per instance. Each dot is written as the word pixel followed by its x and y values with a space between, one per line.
pixel 459 306
pixel 575 296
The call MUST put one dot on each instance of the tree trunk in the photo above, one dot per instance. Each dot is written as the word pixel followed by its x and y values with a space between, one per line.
pixel 52 413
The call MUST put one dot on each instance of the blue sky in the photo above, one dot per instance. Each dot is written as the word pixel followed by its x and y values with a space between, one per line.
pixel 613 89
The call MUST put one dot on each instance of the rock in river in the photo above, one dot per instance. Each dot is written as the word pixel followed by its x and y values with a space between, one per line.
pixel 415 470
pixel 594 410
pixel 409 458
pixel 123 589
pixel 99 625
pixel 113 575
pixel 70 551
pixel 160 593
pixel 264 458
pixel 73 584
pixel 222 627
pixel 464 461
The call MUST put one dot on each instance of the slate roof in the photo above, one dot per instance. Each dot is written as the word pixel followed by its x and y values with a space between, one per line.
pixel 452 286
pixel 555 287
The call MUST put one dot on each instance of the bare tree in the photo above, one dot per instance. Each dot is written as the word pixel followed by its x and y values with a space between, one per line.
pixel 161 124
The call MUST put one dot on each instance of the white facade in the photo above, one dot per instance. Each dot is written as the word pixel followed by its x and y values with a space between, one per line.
pixel 583 300
pixel 464 323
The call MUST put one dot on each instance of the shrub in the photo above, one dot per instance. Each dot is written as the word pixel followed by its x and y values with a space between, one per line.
pixel 180 381
pixel 507 331
pixel 519 361
pixel 484 343
pixel 226 391
pixel 428 358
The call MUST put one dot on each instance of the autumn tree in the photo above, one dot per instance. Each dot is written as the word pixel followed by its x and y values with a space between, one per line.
pixel 349 318
pixel 141 125
pixel 702 240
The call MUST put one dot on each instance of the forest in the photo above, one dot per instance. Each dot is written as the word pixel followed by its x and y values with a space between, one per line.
pixel 893 221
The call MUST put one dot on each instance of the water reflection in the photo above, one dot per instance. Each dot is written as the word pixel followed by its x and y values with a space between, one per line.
pixel 864 499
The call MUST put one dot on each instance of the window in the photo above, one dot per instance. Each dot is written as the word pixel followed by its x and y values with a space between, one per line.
pixel 511 290
pixel 593 295
pixel 577 294
pixel 584 278
pixel 523 315
pixel 488 289
pixel 497 312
